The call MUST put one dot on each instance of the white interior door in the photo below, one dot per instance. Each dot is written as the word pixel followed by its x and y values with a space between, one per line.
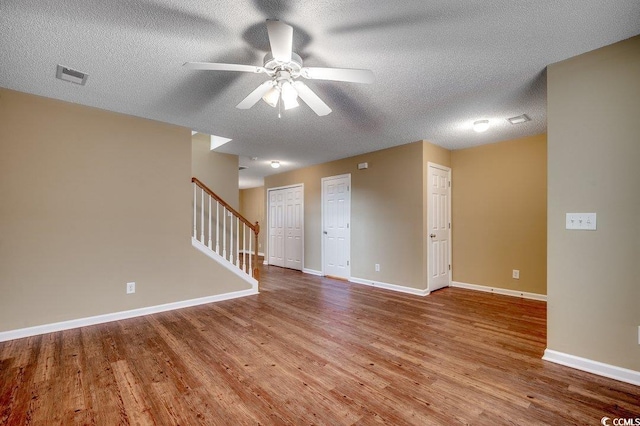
pixel 276 227
pixel 336 217
pixel 439 220
pixel 286 226
pixel 293 228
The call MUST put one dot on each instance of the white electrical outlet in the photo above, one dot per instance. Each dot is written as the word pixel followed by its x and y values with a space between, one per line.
pixel 516 274
pixel 377 267
pixel 131 288
pixel 581 221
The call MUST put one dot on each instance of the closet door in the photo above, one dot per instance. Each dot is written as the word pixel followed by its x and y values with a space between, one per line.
pixel 276 227
pixel 293 228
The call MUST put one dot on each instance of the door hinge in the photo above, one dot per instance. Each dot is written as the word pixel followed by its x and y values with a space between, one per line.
pixel 347 226
pixel 449 225
pixel 347 188
pixel 449 184
pixel 347 263
pixel 449 267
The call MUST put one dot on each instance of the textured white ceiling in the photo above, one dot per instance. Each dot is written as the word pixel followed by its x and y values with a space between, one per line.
pixel 439 65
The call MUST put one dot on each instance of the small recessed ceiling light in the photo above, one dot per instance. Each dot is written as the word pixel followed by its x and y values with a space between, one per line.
pixel 481 125
pixel 519 119
pixel 275 164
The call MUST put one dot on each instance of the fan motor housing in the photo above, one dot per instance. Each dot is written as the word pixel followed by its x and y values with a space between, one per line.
pixel 293 67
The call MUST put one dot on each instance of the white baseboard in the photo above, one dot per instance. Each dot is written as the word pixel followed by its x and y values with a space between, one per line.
pixel 595 367
pixel 387 286
pixel 116 316
pixel 224 262
pixel 503 291
pixel 312 272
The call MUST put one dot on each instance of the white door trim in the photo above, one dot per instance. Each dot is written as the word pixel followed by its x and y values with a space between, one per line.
pixel 448 170
pixel 266 249
pixel 322 181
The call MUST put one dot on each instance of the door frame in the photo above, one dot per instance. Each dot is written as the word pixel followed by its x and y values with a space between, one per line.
pixel 268 200
pixel 322 181
pixel 426 237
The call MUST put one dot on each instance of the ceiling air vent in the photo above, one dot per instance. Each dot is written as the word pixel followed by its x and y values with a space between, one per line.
pixel 519 119
pixel 70 75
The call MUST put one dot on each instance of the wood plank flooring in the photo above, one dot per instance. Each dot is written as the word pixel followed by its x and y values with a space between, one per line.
pixel 309 350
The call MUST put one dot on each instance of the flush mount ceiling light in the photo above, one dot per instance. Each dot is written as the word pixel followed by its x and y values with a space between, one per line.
pixel 481 125
pixel 519 119
pixel 275 164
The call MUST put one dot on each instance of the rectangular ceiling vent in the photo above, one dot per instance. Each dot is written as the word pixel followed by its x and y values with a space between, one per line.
pixel 519 119
pixel 71 75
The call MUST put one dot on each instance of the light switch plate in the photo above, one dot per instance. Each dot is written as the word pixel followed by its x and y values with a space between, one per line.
pixel 581 221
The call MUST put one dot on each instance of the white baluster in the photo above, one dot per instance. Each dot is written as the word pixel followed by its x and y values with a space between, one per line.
pixel 224 232
pixel 209 222
pixel 250 268
pixel 202 217
pixel 238 240
pixel 231 239
pixel 244 248
pixel 217 227
pixel 195 209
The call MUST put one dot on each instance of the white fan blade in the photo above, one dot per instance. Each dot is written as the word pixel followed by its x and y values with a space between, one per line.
pixel 255 96
pixel 338 74
pixel 311 99
pixel 222 67
pixel 281 40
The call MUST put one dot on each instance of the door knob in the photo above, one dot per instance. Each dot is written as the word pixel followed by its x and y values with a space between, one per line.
pixel 432 235
pixel 324 232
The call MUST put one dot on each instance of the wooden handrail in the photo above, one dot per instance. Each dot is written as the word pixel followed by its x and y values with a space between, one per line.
pixel 254 227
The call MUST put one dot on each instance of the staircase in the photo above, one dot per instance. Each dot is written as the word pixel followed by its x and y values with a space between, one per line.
pixel 223 234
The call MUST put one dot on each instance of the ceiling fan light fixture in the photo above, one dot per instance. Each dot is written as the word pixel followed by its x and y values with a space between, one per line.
pixel 481 126
pixel 275 164
pixel 289 96
pixel 272 96
pixel 290 104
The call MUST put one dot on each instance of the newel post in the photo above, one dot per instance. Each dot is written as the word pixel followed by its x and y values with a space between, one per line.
pixel 256 271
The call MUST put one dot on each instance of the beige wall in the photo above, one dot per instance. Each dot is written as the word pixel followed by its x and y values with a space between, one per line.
pixel 89 201
pixel 594 157
pixel 216 170
pixel 252 206
pixel 499 203
pixel 386 211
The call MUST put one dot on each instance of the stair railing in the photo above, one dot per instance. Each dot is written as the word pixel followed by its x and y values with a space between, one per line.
pixel 223 223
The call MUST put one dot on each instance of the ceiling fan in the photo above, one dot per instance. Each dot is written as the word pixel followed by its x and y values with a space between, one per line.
pixel 284 66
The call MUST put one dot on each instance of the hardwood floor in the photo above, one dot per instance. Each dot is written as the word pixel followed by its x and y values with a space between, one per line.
pixel 309 350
